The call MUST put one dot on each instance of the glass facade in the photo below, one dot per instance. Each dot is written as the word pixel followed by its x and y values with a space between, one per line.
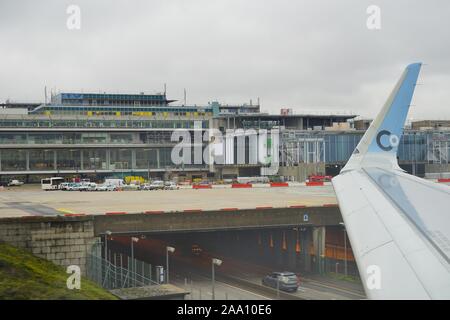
pixel 100 123
pixel 94 159
pixel 13 160
pixel 120 159
pixel 94 137
pixel 68 159
pixel 74 151
pixel 337 147
pixel 147 159
pixel 42 160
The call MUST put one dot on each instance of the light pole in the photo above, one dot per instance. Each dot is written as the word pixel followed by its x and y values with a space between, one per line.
pixel 345 248
pixel 107 233
pixel 216 262
pixel 171 250
pixel 133 240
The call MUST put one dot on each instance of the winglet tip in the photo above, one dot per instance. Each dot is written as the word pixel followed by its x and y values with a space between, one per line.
pixel 414 65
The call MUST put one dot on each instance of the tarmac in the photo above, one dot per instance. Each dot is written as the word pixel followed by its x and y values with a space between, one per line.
pixel 30 200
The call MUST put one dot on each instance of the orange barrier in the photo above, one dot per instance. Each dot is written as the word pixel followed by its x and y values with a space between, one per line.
pixel 314 183
pixel 201 186
pixel 153 212
pixel 279 184
pixel 229 209
pixel 115 213
pixel 241 185
pixel 74 214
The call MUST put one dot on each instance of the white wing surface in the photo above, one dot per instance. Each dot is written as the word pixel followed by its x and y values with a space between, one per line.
pixel 398 224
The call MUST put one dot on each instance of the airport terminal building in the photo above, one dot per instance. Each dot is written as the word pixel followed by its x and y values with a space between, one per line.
pixel 99 135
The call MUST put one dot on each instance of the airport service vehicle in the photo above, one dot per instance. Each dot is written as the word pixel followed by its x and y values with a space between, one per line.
pixel 156 185
pixel 15 183
pixel 171 186
pixel 89 186
pixel 398 224
pixel 51 183
pixel 286 281
pixel 114 181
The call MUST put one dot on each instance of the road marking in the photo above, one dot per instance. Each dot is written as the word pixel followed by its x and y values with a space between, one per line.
pixel 328 286
pixel 63 210
pixel 237 288
pixel 255 294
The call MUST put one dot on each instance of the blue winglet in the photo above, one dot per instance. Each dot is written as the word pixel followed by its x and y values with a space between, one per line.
pixel 379 145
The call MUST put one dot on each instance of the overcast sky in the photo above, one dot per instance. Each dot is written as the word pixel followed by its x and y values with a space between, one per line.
pixel 313 55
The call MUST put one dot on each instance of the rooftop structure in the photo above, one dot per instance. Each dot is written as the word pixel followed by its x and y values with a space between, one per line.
pixel 107 99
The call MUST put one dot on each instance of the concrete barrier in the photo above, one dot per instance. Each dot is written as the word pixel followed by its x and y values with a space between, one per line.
pixel 241 185
pixel 314 183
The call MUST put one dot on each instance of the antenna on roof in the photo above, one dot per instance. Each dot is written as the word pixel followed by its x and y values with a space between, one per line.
pixel 184 96
pixel 45 94
pixel 165 89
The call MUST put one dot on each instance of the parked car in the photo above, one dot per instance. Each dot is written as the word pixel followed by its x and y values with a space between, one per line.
pixel 156 185
pixel 131 186
pixel 286 281
pixel 73 186
pixel 64 186
pixel 145 186
pixel 106 187
pixel 15 183
pixel 92 186
pixel 170 185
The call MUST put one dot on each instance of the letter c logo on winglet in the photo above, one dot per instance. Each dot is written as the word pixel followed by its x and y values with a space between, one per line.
pixel 393 140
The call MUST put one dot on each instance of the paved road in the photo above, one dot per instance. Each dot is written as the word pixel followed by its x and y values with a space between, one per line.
pixel 201 289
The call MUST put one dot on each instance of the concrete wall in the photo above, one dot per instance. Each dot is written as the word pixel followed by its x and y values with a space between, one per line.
pixel 64 241
pixel 128 224
pixel 302 171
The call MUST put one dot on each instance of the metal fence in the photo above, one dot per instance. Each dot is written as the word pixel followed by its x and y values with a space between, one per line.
pixel 120 272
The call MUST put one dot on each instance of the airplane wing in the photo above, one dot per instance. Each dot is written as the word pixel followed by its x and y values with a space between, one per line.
pixel 398 224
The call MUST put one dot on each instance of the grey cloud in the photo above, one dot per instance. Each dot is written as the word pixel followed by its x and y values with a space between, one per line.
pixel 299 54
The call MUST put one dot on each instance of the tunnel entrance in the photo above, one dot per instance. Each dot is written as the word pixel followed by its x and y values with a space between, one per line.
pixel 302 250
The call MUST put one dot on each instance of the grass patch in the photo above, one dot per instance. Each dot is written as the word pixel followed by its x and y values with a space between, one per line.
pixel 27 277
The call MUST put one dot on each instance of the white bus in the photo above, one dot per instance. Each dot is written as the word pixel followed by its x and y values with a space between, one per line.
pixel 51 183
